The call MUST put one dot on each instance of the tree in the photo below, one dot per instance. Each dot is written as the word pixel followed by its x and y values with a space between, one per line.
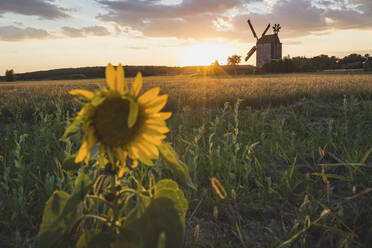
pixel 234 60
pixel 9 75
pixel 352 61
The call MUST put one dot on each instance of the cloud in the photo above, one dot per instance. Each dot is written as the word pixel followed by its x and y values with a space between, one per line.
pixel 13 33
pixel 360 17
pixel 297 18
pixel 210 18
pixel 188 19
pixel 302 17
pixel 86 31
pixel 43 9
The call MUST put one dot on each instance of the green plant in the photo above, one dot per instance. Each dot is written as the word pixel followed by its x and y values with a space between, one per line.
pixel 116 208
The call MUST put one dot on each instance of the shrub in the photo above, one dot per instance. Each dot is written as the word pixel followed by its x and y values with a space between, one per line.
pixel 367 66
pixel 10 76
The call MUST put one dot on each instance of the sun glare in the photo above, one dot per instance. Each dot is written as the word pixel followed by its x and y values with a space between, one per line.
pixel 204 54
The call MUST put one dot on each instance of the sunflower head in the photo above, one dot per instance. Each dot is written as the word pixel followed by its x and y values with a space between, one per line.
pixel 123 123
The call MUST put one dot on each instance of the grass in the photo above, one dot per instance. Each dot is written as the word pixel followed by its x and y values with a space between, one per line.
pixel 292 156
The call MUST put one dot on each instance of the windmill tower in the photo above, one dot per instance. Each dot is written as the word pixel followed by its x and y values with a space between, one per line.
pixel 268 46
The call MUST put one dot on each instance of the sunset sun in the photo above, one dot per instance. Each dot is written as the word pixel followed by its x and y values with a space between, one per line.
pixel 205 54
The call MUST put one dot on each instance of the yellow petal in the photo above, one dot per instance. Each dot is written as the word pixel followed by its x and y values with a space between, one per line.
pixel 91 138
pixel 120 155
pixel 82 153
pixel 111 76
pixel 133 113
pixel 155 122
pixel 133 152
pixel 157 101
pixel 134 164
pixel 154 152
pixel 157 105
pixel 153 139
pixel 138 153
pixel 85 93
pixel 160 116
pixel 149 95
pixel 160 129
pixel 110 155
pixel 150 131
pixel 101 156
pixel 137 85
pixel 120 84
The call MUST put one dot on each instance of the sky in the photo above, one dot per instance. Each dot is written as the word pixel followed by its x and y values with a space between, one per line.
pixel 50 34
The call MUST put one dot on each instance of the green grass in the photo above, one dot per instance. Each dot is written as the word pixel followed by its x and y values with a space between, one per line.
pixel 264 149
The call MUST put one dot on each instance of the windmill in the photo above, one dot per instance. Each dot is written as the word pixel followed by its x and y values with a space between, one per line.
pixel 268 47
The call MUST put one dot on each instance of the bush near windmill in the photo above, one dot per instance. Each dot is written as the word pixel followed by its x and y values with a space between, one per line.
pixel 10 76
pixel 234 60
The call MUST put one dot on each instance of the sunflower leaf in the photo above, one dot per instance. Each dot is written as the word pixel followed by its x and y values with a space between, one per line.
pixel 163 213
pixel 61 214
pixel 170 160
pixel 133 113
pixel 72 129
pixel 95 239
pixel 69 163
pixel 169 189
pixel 52 230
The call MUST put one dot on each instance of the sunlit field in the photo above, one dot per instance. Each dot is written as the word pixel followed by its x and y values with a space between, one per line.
pixel 205 93
pixel 291 151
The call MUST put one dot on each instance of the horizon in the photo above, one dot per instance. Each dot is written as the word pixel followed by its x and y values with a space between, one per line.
pixel 40 35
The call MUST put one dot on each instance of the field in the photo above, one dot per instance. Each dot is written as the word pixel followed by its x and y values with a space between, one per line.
pixel 291 151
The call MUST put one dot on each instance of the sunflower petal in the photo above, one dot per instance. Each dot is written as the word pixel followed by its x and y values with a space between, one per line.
pixel 153 139
pixel 82 153
pixel 157 105
pixel 134 164
pixel 133 113
pixel 157 101
pixel 101 156
pixel 161 115
pixel 85 93
pixel 160 129
pixel 120 155
pixel 110 155
pixel 120 84
pixel 155 122
pixel 137 85
pixel 149 95
pixel 138 153
pixel 91 138
pixel 111 76
pixel 154 152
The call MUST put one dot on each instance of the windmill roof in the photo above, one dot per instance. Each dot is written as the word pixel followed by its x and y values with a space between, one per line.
pixel 270 38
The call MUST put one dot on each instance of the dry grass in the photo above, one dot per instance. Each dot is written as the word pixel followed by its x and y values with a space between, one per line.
pixel 206 92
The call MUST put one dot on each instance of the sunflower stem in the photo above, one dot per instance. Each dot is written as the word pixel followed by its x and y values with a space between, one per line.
pixel 115 209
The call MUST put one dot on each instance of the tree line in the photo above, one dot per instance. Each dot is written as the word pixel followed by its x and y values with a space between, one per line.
pixel 286 65
pixel 318 63
pixel 87 72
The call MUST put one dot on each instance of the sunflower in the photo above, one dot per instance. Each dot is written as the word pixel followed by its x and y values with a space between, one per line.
pixel 121 122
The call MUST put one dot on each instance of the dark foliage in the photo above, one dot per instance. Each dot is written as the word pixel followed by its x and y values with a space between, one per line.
pixel 95 72
pixel 10 76
pixel 317 63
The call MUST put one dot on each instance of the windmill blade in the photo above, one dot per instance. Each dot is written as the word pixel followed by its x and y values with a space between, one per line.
pixel 267 28
pixel 250 53
pixel 254 32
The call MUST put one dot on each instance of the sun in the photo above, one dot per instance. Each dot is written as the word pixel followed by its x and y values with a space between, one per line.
pixel 204 54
